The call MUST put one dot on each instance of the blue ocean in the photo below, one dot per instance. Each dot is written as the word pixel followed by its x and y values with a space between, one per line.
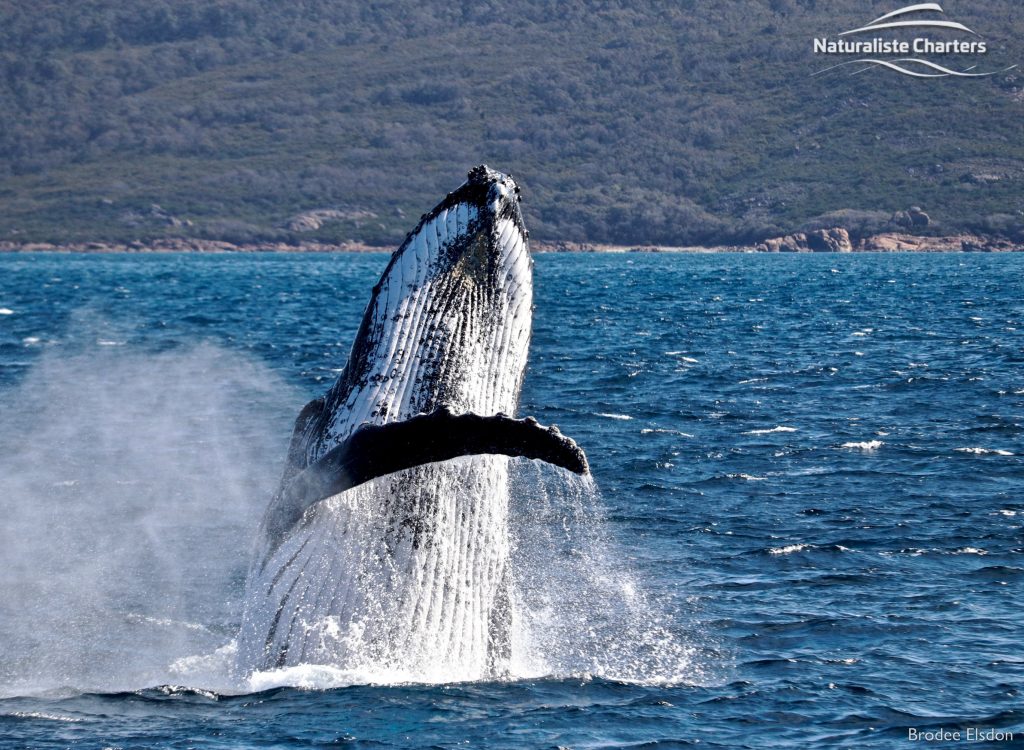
pixel 808 529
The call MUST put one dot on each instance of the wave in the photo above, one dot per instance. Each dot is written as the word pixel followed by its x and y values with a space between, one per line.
pixel 866 445
pixel 984 451
pixel 42 715
pixel 746 477
pixel 780 428
pixel 788 549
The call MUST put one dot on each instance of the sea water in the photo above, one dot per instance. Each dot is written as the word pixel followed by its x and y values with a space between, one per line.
pixel 805 526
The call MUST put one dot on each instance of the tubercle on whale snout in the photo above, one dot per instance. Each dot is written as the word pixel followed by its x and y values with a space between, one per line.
pixel 476 191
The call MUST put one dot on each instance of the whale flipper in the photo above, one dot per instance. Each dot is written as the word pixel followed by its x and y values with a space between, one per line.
pixel 375 450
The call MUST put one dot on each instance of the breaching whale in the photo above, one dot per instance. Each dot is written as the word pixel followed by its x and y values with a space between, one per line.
pixel 386 545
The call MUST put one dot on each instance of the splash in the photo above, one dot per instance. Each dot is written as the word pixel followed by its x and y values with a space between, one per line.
pixel 579 611
pixel 130 485
pixel 404 574
pixel 497 569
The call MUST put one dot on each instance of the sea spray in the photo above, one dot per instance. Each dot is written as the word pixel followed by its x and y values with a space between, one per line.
pixel 579 608
pixel 130 484
pixel 477 578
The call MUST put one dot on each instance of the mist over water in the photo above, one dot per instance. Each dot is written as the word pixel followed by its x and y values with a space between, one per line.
pixel 131 483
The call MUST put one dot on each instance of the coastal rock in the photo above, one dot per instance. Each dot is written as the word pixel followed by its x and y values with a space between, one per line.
pixel 835 240
pixel 913 217
pixel 979 245
pixel 980 178
pixel 791 243
pixel 304 223
pixel 918 218
pixel 894 243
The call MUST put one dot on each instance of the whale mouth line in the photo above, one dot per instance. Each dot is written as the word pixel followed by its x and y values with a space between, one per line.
pixel 375 450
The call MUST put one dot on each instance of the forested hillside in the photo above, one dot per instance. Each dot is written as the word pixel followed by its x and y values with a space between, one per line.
pixel 693 121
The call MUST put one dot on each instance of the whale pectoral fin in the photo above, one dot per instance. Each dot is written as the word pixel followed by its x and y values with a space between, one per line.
pixel 304 426
pixel 375 450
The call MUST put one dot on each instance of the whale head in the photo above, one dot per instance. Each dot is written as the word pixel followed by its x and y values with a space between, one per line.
pixel 448 324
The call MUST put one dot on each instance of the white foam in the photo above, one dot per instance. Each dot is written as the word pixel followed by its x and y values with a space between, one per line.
pixel 985 451
pixel 623 417
pixel 780 428
pixel 788 549
pixel 44 716
pixel 212 669
pixel 866 445
pixel 661 431
pixel 325 677
pixel 157 506
pixel 6 311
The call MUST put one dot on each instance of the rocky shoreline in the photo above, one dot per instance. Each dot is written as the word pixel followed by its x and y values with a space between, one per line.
pixel 834 240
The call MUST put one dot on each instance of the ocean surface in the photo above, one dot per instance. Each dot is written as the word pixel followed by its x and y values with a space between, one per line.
pixel 810 473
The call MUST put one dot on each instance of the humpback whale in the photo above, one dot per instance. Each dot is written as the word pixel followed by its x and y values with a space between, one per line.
pixel 386 545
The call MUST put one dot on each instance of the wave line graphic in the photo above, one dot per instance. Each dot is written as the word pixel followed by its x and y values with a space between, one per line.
pixel 910 24
pixel 908 9
pixel 944 72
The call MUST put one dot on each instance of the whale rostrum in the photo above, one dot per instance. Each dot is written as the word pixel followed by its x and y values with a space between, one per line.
pixel 375 450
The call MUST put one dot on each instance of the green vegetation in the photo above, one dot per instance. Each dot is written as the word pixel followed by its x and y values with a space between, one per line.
pixel 691 121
